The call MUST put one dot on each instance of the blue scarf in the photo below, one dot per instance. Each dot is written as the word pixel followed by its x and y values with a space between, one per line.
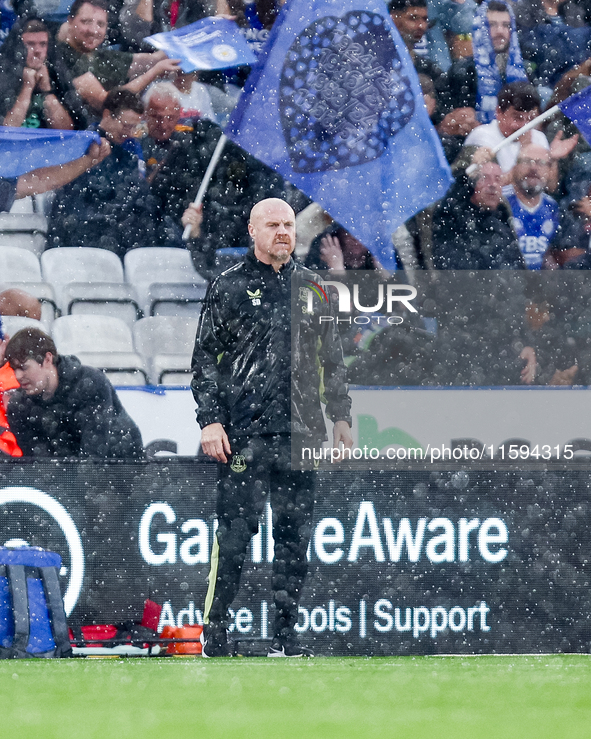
pixel 487 73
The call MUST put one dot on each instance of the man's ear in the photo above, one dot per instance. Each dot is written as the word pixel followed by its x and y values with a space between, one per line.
pixel 48 360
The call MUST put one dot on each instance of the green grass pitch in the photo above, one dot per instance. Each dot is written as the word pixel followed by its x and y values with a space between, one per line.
pixel 546 697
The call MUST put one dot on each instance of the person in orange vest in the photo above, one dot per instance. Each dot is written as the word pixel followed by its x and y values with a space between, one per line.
pixel 12 303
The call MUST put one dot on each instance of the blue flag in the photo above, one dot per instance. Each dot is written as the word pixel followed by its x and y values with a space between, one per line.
pixel 335 106
pixel 578 108
pixel 211 43
pixel 25 149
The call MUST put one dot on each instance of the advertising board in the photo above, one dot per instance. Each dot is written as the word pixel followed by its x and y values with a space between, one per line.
pixel 410 561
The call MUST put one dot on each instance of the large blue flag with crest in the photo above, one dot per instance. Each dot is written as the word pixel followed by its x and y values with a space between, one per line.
pixel 335 106
pixel 25 149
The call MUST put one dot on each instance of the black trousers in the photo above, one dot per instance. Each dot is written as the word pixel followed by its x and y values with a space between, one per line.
pixel 260 467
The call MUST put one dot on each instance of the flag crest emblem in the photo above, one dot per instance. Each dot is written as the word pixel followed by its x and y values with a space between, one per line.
pixel 343 93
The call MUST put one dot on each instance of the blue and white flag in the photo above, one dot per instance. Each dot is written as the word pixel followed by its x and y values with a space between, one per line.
pixel 578 108
pixel 335 106
pixel 25 149
pixel 211 43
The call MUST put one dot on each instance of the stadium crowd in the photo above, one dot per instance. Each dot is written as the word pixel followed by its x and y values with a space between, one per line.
pixel 485 70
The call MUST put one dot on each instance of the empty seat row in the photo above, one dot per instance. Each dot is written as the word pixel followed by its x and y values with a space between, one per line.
pixel 150 281
pixel 157 351
pixel 25 230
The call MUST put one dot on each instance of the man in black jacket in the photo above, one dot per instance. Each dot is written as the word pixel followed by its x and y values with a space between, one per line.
pixel 64 409
pixel 472 226
pixel 256 383
pixel 109 207
pixel 35 90
pixel 238 182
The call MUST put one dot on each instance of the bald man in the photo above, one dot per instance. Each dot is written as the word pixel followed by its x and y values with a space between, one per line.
pixel 14 302
pixel 172 161
pixel 252 398
pixel 535 214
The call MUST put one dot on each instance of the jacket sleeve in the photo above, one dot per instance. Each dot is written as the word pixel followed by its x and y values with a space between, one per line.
pixel 19 419
pixel 206 384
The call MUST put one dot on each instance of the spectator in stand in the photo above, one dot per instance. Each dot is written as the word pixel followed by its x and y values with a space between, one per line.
pixel 111 206
pixel 141 18
pixel 64 409
pixel 573 243
pixel 561 356
pixel 518 104
pixel 8 443
pixel 553 38
pixel 195 99
pixel 34 92
pixel 413 240
pixel 569 83
pixel 336 249
pixel 239 180
pixel 535 214
pixel 532 13
pixel 12 303
pixel 475 82
pixel 483 337
pixel 204 94
pixel 472 225
pixel 450 30
pixel 96 71
pixel 482 334
pixel 454 127
pixel 410 18
pixel 172 164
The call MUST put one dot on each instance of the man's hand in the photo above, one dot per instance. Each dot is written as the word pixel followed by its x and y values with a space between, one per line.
pixel 193 217
pixel 528 373
pixel 561 147
pixel 459 122
pixel 167 66
pixel 564 377
pixel 331 253
pixel 42 79
pixel 97 152
pixel 29 77
pixel 215 442
pixel 583 208
pixel 341 432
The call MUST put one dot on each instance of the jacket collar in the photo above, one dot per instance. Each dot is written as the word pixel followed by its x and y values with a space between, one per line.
pixel 255 263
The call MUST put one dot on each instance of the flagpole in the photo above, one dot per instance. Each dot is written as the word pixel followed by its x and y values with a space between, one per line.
pixel 524 129
pixel 206 179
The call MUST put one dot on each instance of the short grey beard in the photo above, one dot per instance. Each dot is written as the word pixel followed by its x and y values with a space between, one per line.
pixel 531 190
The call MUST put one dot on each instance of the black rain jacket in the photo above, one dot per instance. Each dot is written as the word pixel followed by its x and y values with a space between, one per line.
pixel 254 374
